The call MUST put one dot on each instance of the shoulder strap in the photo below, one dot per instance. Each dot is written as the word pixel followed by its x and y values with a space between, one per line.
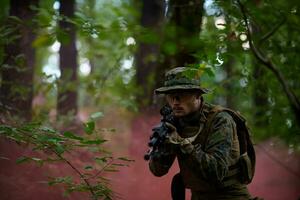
pixel 212 112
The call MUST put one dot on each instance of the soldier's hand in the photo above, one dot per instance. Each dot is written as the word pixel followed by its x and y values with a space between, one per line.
pixel 174 138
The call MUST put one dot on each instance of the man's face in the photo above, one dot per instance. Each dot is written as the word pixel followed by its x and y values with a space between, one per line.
pixel 183 102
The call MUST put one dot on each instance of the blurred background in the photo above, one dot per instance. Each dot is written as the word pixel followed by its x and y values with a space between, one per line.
pixel 86 71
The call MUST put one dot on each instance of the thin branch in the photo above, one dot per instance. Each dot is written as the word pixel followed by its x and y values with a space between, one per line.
pixel 101 170
pixel 272 31
pixel 77 171
pixel 65 160
pixel 256 52
pixel 294 102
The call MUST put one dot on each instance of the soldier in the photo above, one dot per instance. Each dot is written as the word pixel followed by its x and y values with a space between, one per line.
pixel 209 162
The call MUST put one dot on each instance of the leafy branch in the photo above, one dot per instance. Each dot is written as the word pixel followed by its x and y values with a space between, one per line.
pixel 268 63
pixel 273 30
pixel 55 145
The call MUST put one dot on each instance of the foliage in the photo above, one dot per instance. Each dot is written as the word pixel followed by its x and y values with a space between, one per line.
pixel 106 36
pixel 104 48
pixel 106 41
pixel 225 41
pixel 54 147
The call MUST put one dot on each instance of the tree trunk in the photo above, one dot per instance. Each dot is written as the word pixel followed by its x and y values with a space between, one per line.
pixel 186 16
pixel 185 19
pixel 16 90
pixel 267 62
pixel 67 88
pixel 182 30
pixel 147 56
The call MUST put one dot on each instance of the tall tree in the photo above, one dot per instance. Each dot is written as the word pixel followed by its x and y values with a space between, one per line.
pixel 67 89
pixel 260 89
pixel 270 63
pixel 270 31
pixel 180 36
pixel 147 55
pixel 16 91
pixel 187 20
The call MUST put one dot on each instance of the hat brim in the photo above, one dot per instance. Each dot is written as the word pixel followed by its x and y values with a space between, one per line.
pixel 165 90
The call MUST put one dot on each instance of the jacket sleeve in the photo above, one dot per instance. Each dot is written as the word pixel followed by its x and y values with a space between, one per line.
pixel 162 160
pixel 213 159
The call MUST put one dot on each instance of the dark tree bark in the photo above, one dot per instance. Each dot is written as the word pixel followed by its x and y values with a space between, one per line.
pixel 268 63
pixel 67 88
pixel 186 16
pixel 16 90
pixel 151 60
pixel 147 56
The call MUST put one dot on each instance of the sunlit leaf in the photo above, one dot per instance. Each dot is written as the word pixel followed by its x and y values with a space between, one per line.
pixel 126 159
pixel 119 164
pixel 59 149
pixel 97 141
pixel 48 129
pixel 88 167
pixel 89 127
pixel 43 41
pixel 71 135
pixel 97 115
pixel 22 159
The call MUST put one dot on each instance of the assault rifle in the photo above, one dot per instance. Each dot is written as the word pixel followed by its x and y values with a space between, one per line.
pixel 160 131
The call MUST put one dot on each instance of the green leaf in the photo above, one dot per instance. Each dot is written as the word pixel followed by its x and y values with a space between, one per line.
pixel 22 159
pixel 97 141
pixel 57 180
pixel 38 160
pixel 15 19
pixel 89 127
pixel 103 159
pixel 97 115
pixel 48 129
pixel 43 41
pixel 125 159
pixel 88 167
pixel 119 164
pixel 210 72
pixel 71 135
pixel 63 37
pixel 170 48
pixel 59 149
pixel 7 130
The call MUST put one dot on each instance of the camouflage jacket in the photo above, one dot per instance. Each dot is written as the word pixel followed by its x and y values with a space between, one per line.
pixel 207 167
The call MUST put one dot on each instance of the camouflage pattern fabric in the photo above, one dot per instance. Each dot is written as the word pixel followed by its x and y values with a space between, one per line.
pixel 182 78
pixel 205 169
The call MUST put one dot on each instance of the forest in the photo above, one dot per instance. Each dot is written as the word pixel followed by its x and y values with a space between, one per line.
pixel 77 81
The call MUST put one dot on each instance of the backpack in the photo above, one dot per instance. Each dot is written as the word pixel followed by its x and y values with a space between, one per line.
pixel 246 165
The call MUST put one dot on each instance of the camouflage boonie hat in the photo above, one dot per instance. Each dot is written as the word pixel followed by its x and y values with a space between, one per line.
pixel 182 78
